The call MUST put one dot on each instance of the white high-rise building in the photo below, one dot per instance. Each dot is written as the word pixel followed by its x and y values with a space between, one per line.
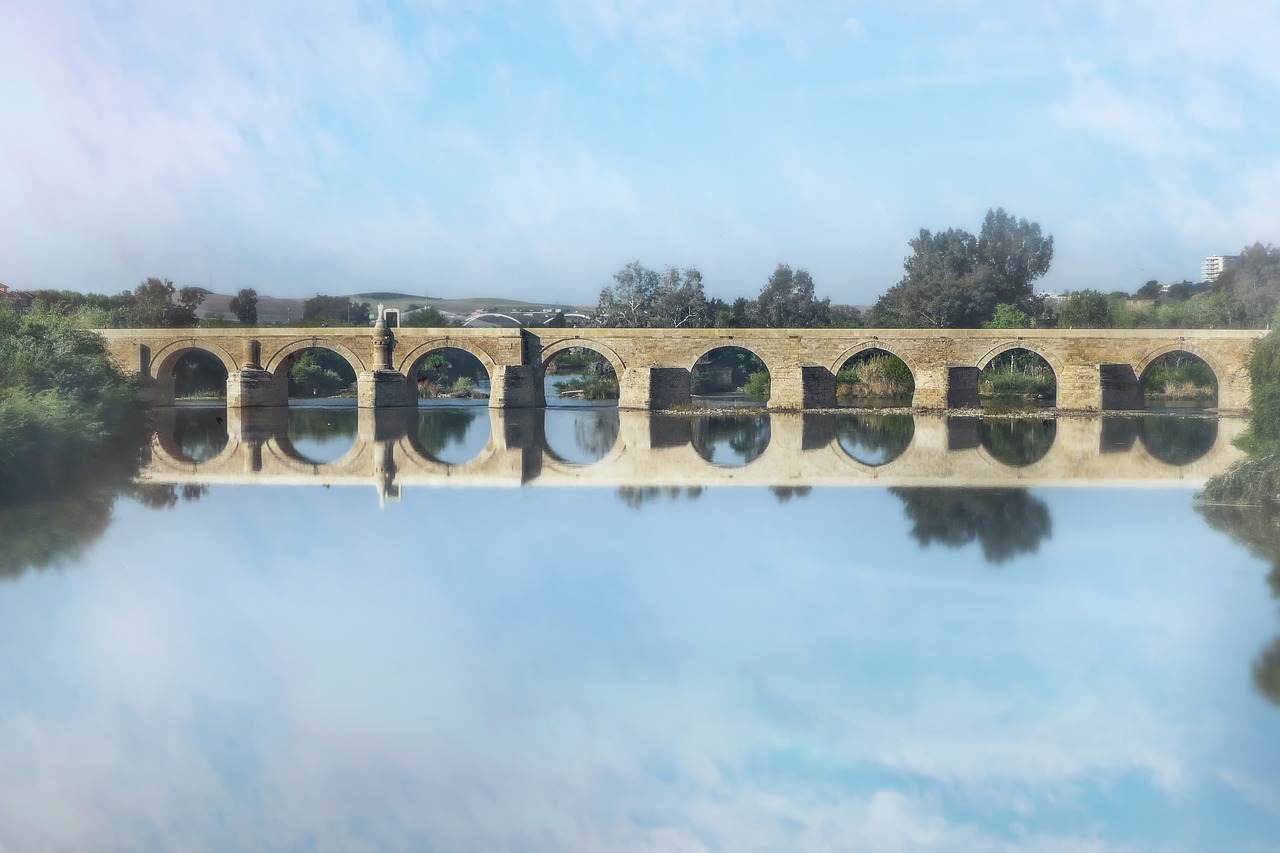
pixel 1216 265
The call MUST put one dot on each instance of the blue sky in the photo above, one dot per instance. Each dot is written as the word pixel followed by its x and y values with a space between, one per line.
pixel 531 149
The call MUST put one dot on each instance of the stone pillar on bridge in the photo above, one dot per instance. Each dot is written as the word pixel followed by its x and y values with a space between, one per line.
pixel 251 388
pixel 384 387
pixel 1080 388
pixel 932 382
pixel 1120 387
pixel 516 386
pixel 653 388
pixel 796 388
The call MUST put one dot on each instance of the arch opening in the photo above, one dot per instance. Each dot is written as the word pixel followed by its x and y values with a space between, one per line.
pixel 730 376
pixel 1018 378
pixel 731 441
pixel 1179 380
pixel 579 376
pixel 874 440
pixel 1017 442
pixel 450 376
pixel 451 435
pixel 199 375
pixel 875 378
pixel 320 435
pixel 581 435
pixel 315 373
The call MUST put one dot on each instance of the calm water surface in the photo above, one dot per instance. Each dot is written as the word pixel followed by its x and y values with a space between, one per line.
pixel 586 630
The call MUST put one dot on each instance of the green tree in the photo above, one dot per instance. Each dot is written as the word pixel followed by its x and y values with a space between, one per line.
pixel 787 301
pixel 1253 285
pixel 424 318
pixel 1008 317
pixel 245 306
pixel 156 303
pixel 1087 309
pixel 1150 290
pixel 953 279
pixel 335 311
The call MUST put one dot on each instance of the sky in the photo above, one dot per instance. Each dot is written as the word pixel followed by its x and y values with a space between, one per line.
pixel 530 150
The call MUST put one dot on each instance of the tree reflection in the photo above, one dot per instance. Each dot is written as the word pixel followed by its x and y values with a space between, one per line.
pixel 1005 522
pixel 1018 442
pixel 441 429
pixel 1258 529
pixel 1178 441
pixel 786 493
pixel 637 497
pixel 50 522
pixel 744 438
pixel 875 439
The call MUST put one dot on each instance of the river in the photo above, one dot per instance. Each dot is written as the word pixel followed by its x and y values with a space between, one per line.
pixel 580 629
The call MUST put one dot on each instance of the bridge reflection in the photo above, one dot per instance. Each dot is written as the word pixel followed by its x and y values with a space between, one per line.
pixel 392 448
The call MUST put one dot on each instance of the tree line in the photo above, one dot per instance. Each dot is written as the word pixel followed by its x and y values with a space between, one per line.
pixel 953 280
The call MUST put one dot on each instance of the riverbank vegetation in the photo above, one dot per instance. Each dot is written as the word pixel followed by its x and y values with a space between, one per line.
pixel 1256 480
pixel 877 377
pixel 62 401
pixel 1018 374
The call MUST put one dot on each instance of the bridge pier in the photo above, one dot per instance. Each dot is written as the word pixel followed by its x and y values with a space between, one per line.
pixel 654 388
pixel 253 388
pixel 515 386
pixel 1120 387
pixel 1080 388
pixel 385 389
pixel 796 388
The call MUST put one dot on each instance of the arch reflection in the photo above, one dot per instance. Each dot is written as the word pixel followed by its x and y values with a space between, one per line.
pixel 730 441
pixel 874 440
pixel 580 435
pixel 321 434
pixel 199 433
pixel 1177 441
pixel 1017 442
pixel 451 436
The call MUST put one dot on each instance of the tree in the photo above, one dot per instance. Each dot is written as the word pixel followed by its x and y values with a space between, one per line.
pixel 245 306
pixel 424 318
pixel 787 301
pixel 1254 285
pixel 152 305
pixel 336 310
pixel 1008 317
pixel 1087 309
pixel 953 279
pixel 641 298
pixel 1150 290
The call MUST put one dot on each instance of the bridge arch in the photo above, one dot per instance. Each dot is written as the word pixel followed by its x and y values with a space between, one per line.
pixel 728 343
pixel 903 353
pixel 409 361
pixel 1050 358
pixel 166 358
pixel 551 350
pixel 1146 361
pixel 275 363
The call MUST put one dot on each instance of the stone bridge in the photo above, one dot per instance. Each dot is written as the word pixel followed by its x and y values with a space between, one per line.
pixel 654 450
pixel 1095 369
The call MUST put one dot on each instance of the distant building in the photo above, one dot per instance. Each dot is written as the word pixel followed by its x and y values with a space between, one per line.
pixel 1049 296
pixel 1216 265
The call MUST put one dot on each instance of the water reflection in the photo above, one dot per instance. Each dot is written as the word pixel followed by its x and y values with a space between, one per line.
pixel 875 439
pixel 730 441
pixel 199 432
pixel 1258 529
pixel 1005 522
pixel 1177 440
pixel 581 435
pixel 452 436
pixel 322 434
pixel 1018 442
pixel 740 673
